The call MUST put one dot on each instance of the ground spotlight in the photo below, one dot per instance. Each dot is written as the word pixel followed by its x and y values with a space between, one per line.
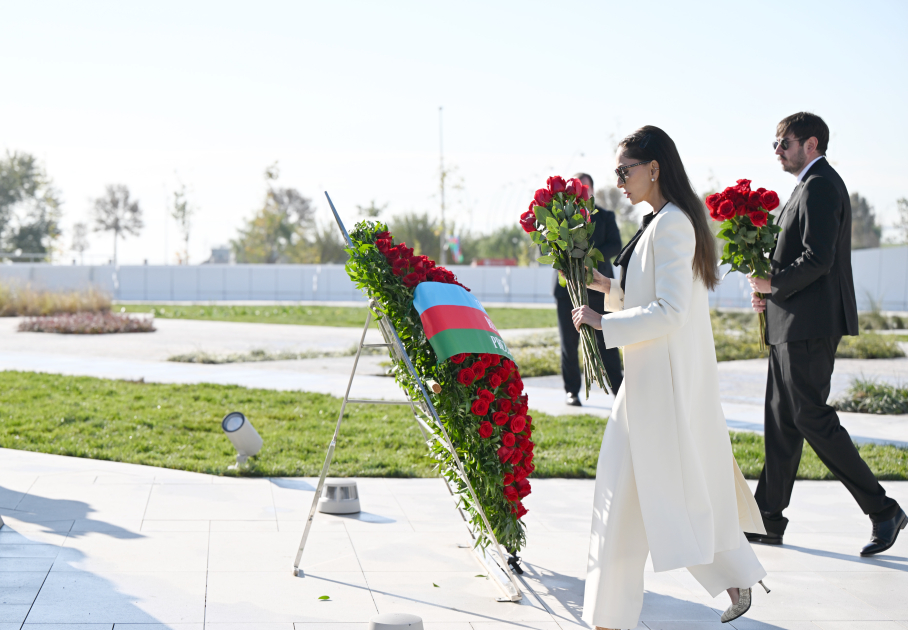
pixel 245 438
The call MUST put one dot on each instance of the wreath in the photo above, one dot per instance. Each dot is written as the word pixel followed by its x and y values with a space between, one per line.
pixel 480 399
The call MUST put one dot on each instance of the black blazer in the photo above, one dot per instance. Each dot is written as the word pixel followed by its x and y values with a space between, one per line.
pixel 812 285
pixel 606 238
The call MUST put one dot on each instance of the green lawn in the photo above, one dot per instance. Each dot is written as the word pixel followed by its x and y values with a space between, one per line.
pixel 353 316
pixel 178 426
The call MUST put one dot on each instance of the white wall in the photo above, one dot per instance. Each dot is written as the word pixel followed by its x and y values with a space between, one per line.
pixel 879 274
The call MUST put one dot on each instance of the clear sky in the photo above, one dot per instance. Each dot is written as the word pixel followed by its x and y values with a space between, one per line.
pixel 345 96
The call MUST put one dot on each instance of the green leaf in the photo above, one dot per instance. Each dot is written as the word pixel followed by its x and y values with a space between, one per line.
pixel 324 598
pixel 541 213
pixel 480 575
pixel 542 260
pixel 435 585
pixel 577 253
pixel 552 224
pixel 562 244
pixel 590 228
pixel 564 232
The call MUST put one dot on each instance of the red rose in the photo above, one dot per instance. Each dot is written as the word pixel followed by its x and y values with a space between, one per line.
pixel 459 358
pixel 510 493
pixel 555 184
pixel 383 245
pixel 495 381
pixel 713 201
pixel 499 418
pixel 520 473
pixel 508 479
pixel 542 197
pixel 518 423
pixel 585 194
pixel 411 280
pixel 479 370
pixel 486 395
pixel 503 404
pixel 405 252
pixel 758 218
pixel 726 210
pixel 504 454
pixel 769 200
pixel 485 430
pixel 516 456
pixel 528 220
pixel 523 488
pixel 480 407
pixel 508 439
pixel 573 187
pixel 521 511
pixel 529 420
pixel 486 359
pixel 527 460
pixel 513 390
pixel 465 377
pixel 743 185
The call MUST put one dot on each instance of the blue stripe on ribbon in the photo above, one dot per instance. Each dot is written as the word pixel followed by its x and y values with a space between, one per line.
pixel 429 294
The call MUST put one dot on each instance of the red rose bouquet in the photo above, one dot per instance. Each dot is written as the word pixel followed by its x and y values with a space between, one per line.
pixel 749 229
pixel 559 220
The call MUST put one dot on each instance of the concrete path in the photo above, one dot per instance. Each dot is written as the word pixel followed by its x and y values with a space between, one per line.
pixel 104 545
pixel 143 356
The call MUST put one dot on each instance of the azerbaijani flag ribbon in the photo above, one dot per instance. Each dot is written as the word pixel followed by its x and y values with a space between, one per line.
pixel 455 322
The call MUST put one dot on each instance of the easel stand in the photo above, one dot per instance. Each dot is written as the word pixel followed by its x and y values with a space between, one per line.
pixel 493 560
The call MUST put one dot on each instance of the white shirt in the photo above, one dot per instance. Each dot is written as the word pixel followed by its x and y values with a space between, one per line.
pixel 807 168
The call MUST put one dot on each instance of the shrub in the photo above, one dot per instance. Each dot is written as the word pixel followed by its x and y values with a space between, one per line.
pixel 25 301
pixel 869 346
pixel 87 324
pixel 868 396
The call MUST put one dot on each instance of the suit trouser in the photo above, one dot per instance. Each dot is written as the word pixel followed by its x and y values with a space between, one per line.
pixel 570 340
pixel 798 385
pixel 613 595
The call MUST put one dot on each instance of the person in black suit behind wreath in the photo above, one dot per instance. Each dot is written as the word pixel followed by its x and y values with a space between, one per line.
pixel 607 239
pixel 810 305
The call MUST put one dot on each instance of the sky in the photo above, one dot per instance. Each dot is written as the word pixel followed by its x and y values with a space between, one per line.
pixel 345 97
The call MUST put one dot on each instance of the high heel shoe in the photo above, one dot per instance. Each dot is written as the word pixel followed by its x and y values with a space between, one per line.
pixel 744 600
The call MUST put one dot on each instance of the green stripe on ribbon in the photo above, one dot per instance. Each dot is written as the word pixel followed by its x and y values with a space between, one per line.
pixel 453 341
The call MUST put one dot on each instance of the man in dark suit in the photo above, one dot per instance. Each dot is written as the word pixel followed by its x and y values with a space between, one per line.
pixel 810 305
pixel 607 239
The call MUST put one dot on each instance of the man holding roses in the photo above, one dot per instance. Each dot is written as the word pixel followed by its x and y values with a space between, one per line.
pixel 607 239
pixel 810 305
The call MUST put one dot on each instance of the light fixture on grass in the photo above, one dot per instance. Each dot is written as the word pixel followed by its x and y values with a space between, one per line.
pixel 245 438
pixel 340 496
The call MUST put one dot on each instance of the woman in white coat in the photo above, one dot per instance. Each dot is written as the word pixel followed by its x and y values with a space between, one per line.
pixel 667 483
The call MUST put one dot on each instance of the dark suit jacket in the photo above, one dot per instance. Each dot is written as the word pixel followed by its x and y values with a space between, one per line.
pixel 606 238
pixel 812 285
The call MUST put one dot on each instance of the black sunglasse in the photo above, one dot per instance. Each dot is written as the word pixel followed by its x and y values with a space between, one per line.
pixel 621 171
pixel 785 142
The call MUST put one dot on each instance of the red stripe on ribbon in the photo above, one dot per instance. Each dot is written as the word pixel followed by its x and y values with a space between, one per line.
pixel 445 316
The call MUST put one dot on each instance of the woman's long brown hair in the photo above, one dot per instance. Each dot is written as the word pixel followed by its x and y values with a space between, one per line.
pixel 651 143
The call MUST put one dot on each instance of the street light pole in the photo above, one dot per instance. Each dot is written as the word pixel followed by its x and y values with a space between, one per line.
pixel 441 172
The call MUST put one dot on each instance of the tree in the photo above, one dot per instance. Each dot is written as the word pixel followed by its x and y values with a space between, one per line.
pixel 182 212
pixel 506 242
pixel 865 232
pixel 371 211
pixel 29 205
pixel 277 232
pixel 114 212
pixel 80 241
pixel 901 223
pixel 419 231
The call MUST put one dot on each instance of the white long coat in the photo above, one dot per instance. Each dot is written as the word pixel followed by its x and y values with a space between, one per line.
pixel 693 497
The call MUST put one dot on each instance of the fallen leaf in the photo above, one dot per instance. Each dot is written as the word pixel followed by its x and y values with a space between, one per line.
pixel 324 598
pixel 480 575
pixel 435 585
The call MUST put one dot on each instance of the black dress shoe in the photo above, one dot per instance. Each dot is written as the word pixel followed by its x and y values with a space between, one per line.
pixel 885 533
pixel 573 400
pixel 764 539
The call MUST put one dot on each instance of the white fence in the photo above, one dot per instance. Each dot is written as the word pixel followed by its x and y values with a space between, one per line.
pixel 881 276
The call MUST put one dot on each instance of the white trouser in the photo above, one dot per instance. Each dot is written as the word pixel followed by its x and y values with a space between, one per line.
pixel 613 596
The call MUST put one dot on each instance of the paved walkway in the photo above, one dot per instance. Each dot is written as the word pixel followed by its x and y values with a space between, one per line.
pixel 136 356
pixel 122 546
